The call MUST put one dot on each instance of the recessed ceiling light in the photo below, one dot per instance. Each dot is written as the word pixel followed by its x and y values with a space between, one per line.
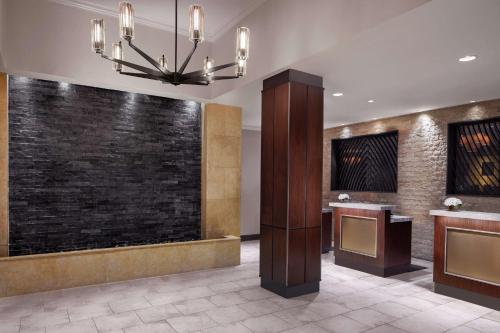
pixel 468 58
pixel 371 101
pixel 472 101
pixel 338 94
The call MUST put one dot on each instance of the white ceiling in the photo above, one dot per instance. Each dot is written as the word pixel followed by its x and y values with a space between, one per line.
pixel 220 15
pixel 408 64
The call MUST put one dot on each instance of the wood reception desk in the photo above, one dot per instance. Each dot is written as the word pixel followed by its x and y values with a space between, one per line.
pixel 467 256
pixel 368 238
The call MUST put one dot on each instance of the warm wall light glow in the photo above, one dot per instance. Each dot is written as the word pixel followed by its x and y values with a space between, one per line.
pixel 117 54
pixel 338 94
pixel 371 101
pixel 196 23
pixel 242 43
pixel 98 36
pixel 126 20
pixel 468 58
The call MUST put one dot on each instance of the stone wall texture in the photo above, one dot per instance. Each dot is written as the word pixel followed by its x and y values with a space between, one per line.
pixel 422 156
pixel 96 168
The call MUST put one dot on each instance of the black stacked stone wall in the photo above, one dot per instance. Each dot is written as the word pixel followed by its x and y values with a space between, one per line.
pixel 96 168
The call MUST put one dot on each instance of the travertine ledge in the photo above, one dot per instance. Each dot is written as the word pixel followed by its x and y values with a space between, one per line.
pixel 359 205
pixel 465 214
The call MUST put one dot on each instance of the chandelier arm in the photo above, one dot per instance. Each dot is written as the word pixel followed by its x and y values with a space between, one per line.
pixel 186 62
pixel 148 58
pixel 198 83
pixel 218 78
pixel 144 76
pixel 211 70
pixel 134 66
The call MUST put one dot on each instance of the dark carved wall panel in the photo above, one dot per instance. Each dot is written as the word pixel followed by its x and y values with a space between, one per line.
pixel 365 163
pixel 474 158
pixel 96 168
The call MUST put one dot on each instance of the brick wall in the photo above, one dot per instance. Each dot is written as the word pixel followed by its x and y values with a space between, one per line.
pixel 422 155
pixel 95 168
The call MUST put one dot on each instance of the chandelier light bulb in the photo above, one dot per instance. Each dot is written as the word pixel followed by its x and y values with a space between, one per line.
pixel 163 62
pixel 117 54
pixel 196 24
pixel 126 20
pixel 98 35
pixel 242 43
pixel 208 63
pixel 241 67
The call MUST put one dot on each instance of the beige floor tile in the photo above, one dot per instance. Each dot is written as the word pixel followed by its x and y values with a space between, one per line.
pixel 342 324
pixel 82 326
pixel 255 294
pixel 286 303
pixel 225 287
pixel 327 309
pixel 430 321
pixel 464 309
pixel 87 311
pixel 228 328
pixel 484 325
pixel 117 321
pixel 150 328
pixel 226 315
pixel 45 318
pixel 228 299
pixel 370 317
pixel 462 329
pixel 394 309
pixel 494 315
pixel 309 328
pixel 158 313
pixel 415 303
pixel 197 292
pixel 298 316
pixel 385 329
pixel 191 323
pixel 194 306
pixel 259 308
pixel 10 325
pixel 266 324
pixel 164 298
pixel 129 304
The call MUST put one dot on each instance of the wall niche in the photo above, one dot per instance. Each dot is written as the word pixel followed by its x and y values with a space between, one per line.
pixel 96 168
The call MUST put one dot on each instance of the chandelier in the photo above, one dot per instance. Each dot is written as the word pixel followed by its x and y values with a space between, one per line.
pixel 161 72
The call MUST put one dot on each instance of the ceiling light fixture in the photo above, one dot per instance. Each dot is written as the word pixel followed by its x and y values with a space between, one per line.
pixel 161 72
pixel 468 58
pixel 338 94
pixel 473 101
pixel 371 101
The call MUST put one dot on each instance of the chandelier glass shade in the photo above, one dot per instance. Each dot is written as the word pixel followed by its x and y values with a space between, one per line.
pixel 160 70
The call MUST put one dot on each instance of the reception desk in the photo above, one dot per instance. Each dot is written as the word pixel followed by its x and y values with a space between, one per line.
pixel 467 256
pixel 367 237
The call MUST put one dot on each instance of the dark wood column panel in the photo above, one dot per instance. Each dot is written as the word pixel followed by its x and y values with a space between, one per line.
pixel 291 176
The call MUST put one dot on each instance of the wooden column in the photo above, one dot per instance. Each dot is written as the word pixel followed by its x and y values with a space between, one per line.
pixel 291 179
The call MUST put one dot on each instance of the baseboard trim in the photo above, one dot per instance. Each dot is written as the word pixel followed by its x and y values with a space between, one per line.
pixel 245 238
pixel 468 296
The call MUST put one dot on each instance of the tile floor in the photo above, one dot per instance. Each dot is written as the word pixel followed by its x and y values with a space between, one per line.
pixel 230 300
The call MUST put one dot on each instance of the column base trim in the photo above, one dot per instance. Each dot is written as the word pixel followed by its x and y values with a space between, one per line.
pixel 290 291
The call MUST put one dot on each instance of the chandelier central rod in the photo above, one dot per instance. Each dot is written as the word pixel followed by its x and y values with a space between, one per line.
pixel 175 39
